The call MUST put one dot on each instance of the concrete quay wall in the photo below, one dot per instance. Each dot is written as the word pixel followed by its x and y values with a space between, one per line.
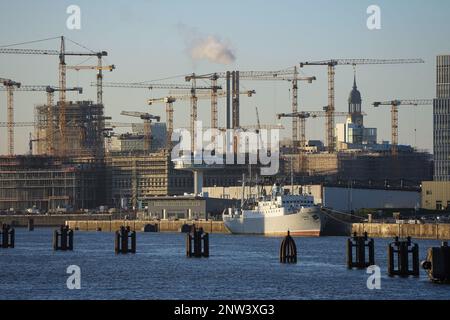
pixel 390 230
pixel 138 225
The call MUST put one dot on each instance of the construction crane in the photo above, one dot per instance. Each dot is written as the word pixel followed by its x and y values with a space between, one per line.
pixel 331 64
pixel 61 53
pixel 30 143
pixel 152 86
pixel 302 116
pixel 289 74
pixel 147 125
pixel 50 98
pixel 10 85
pixel 149 86
pixel 170 100
pixel 24 124
pixel 99 69
pixel 394 116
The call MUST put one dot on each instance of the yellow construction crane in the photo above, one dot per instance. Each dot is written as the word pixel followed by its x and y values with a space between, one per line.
pixel 152 86
pixel 289 74
pixel 331 64
pixel 10 86
pixel 170 100
pixel 302 116
pixel 99 69
pixel 394 116
pixel 61 53
pixel 147 125
pixel 50 98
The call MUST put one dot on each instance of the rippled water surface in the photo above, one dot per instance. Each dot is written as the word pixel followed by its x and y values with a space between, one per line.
pixel 240 267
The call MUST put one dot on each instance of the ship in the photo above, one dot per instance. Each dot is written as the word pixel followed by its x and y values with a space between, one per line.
pixel 278 213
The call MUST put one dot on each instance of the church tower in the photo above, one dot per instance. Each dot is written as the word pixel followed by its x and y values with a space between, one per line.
pixel 354 105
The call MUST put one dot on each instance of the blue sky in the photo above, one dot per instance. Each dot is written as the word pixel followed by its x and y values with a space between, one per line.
pixel 144 41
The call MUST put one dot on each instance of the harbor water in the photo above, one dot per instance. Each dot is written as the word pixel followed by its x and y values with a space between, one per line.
pixel 239 267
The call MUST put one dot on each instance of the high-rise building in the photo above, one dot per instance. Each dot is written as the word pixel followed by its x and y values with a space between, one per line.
pixel 441 120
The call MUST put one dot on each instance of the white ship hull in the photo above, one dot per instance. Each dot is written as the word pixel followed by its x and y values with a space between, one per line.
pixel 308 222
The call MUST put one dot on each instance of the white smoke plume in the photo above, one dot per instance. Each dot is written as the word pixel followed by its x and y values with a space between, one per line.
pixel 207 47
pixel 212 49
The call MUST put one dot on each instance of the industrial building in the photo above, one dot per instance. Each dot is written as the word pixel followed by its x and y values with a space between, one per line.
pixel 374 168
pixel 341 198
pixel 436 195
pixel 187 207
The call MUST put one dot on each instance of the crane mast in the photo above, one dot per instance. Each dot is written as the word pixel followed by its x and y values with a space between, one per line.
pixel 331 64
pixel 50 97
pixel 62 98
pixel 302 116
pixel 395 104
pixel 147 126
pixel 61 53
pixel 10 85
pixel 289 74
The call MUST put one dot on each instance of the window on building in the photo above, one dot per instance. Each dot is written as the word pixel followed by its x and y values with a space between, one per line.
pixel 438 205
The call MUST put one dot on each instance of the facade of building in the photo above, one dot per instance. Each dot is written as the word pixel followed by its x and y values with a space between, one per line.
pixel 187 207
pixel 338 198
pixel 436 195
pixel 85 126
pixel 132 142
pixel 441 120
pixel 51 184
pixel 375 168
pixel 138 176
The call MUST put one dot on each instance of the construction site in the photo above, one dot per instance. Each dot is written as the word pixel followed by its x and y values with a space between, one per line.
pixel 77 161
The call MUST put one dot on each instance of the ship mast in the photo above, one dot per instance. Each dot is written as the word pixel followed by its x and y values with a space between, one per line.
pixel 243 191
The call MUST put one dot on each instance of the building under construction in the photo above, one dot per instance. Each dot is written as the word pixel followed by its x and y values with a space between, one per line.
pixel 64 173
pixel 84 130
pixel 135 176
pixel 50 184
pixel 373 168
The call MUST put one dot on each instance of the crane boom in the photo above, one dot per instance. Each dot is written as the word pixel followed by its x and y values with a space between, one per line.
pixel 331 64
pixel 99 69
pixel 62 53
pixel 147 125
pixel 34 88
pixel 288 74
pixel 353 62
pixel 149 86
pixel 302 116
pixel 10 85
pixel 394 116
